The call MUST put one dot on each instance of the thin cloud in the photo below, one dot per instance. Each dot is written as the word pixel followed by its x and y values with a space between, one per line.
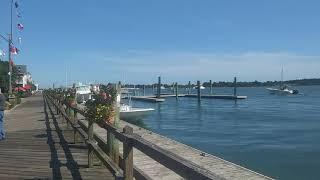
pixel 143 66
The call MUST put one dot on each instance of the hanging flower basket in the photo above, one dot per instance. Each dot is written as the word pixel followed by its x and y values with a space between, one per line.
pixel 101 109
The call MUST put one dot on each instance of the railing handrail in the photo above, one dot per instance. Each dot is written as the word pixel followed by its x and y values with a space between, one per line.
pixel 179 165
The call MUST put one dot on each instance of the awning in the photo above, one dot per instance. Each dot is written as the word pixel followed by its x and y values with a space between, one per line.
pixel 28 86
pixel 19 89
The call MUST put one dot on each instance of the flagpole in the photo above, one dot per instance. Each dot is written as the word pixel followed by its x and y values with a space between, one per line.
pixel 10 40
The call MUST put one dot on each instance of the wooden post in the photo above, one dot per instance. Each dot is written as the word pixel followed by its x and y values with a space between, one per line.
pixel 235 87
pixel 58 106
pixel 75 122
pixel 210 87
pixel 159 87
pixel 144 90
pixel 134 90
pixel 173 88
pixel 189 87
pixel 110 138
pixel 176 90
pixel 115 150
pixel 68 114
pixel 199 90
pixel 128 155
pixel 90 139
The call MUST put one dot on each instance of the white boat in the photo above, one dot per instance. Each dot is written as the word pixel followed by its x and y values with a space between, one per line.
pixel 201 87
pixel 129 113
pixel 83 93
pixel 283 89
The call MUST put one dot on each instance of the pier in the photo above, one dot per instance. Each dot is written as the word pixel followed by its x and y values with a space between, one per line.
pixel 162 97
pixel 51 140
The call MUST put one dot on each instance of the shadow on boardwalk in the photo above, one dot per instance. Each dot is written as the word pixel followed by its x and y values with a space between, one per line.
pixel 55 163
pixel 38 147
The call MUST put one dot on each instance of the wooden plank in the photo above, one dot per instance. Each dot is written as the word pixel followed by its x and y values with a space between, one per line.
pixel 32 151
pixel 179 165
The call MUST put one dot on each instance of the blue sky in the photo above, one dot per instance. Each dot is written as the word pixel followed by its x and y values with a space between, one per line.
pixel 181 40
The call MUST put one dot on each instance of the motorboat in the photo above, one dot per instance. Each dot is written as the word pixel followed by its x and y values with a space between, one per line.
pixel 128 113
pixel 83 93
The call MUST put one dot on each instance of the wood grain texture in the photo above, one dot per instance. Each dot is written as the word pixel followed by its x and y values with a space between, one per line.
pixel 39 146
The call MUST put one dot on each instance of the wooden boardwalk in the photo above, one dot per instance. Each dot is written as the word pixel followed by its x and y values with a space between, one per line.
pixel 38 146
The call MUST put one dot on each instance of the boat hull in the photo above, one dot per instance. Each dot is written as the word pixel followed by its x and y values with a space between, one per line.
pixel 135 114
pixel 280 92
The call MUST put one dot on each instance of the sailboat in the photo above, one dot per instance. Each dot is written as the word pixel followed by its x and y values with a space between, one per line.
pixel 283 89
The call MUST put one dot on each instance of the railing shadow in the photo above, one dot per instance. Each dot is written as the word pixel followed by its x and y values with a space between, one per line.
pixel 54 163
pixel 71 164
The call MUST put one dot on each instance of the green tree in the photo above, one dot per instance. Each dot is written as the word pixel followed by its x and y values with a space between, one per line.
pixel 4 77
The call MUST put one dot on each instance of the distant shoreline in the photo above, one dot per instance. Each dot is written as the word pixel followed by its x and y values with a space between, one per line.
pixel 297 82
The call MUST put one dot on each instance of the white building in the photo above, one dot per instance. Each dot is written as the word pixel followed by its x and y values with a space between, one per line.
pixel 23 76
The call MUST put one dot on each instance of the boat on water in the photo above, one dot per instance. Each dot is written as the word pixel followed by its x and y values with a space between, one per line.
pixel 201 87
pixel 128 113
pixel 283 89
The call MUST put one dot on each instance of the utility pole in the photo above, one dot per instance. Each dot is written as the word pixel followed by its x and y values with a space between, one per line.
pixel 10 60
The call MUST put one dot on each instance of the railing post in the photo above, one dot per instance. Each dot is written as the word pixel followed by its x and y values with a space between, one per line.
pixel 90 139
pixel 75 122
pixel 68 114
pixel 109 143
pixel 128 155
pixel 58 105
pixel 116 123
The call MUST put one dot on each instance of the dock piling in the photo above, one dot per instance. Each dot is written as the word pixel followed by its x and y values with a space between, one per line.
pixel 189 87
pixel 210 87
pixel 159 87
pixel 144 90
pixel 199 91
pixel 176 90
pixel 235 87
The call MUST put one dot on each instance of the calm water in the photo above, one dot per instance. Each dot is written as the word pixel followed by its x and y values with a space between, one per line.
pixel 278 136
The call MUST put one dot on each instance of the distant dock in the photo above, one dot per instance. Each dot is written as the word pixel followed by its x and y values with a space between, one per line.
pixel 217 96
pixel 162 97
pixel 147 98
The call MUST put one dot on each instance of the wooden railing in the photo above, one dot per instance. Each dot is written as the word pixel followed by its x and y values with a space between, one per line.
pixel 122 165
